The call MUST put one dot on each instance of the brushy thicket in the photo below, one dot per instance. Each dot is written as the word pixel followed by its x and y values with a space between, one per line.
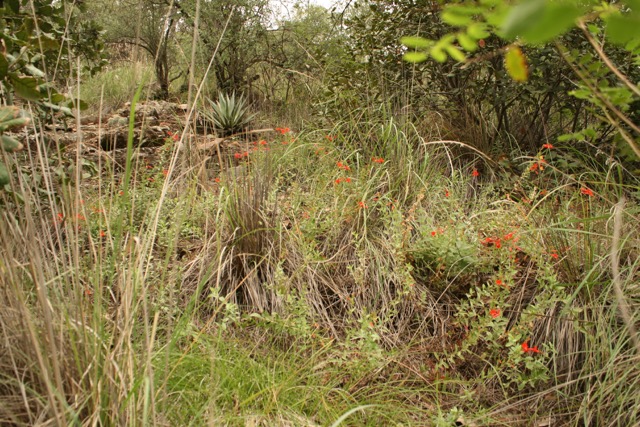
pixel 320 274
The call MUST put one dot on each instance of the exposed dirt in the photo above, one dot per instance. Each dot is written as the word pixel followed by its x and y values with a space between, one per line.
pixel 155 123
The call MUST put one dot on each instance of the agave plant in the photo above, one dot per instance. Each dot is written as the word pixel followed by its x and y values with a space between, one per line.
pixel 229 114
pixel 10 117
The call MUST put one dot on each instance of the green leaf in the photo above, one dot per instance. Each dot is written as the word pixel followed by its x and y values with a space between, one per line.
pixel 415 57
pixel 9 113
pixel 54 107
pixel 623 28
pixel 415 42
pixel 73 103
pixel 57 98
pixel 516 64
pixel 455 53
pixel 438 54
pixel 467 43
pixel 538 21
pixel 634 5
pixel 478 31
pixel 18 122
pixel 48 43
pixel 456 20
pixel 9 144
pixel 26 87
pixel 34 71
pixel 4 175
pixel 521 16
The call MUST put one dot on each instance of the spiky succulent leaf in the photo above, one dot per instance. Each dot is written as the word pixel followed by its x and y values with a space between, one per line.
pixel 4 175
pixel 229 114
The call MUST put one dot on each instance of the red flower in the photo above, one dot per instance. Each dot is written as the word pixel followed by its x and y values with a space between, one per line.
pixel 102 233
pixel 586 191
pixel 362 205
pixel 508 236
pixel 527 349
pixel 237 155
pixel 433 233
pixel 481 43
pixel 554 254
pixel 446 193
pixel 343 166
pixel 174 136
pixel 262 142
pixel 347 179
pixel 548 146
pixel 165 172
pixel 499 282
pixel 338 181
pixel 377 160
pixel 330 137
pixel 475 173
pixel 80 217
pixel 217 179
pixel 492 241
pixel 494 312
pixel 282 130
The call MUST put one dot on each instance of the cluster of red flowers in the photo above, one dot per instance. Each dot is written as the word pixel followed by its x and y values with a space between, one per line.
pixel 377 160
pixel 339 180
pixel 492 241
pixel 239 156
pixel 497 241
pixel 539 165
pixel 586 191
pixel 548 146
pixel 527 349
pixel 434 233
pixel 343 166
pixel 174 136
pixel 283 131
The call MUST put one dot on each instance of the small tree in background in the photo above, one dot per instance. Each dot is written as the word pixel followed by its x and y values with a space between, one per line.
pixel 607 76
